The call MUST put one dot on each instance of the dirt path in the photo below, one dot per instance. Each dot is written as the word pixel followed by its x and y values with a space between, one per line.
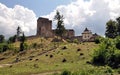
pixel 48 73
pixel 4 65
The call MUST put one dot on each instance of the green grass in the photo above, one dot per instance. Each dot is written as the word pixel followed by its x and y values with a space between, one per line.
pixel 41 63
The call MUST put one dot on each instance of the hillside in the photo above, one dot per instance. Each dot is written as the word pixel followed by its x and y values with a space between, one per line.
pixel 43 56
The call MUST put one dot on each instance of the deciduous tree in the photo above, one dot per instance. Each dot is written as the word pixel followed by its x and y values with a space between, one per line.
pixel 111 29
pixel 60 30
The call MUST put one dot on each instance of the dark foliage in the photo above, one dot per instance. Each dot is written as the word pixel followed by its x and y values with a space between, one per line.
pixel 78 49
pixel 51 56
pixel 64 48
pixel 3 47
pixel 2 38
pixel 118 45
pixel 64 60
pixel 22 46
pixel 97 41
pixel 81 54
pixel 107 54
pixel 66 73
pixel 12 39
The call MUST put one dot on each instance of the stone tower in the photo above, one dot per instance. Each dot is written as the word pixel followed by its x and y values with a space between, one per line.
pixel 44 27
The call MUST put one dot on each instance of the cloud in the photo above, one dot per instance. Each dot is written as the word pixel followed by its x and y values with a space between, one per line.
pixel 11 18
pixel 88 13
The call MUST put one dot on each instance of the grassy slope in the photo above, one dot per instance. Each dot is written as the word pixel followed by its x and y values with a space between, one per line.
pixel 43 63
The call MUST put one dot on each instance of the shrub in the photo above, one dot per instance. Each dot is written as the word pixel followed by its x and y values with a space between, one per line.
pixel 23 46
pixel 114 60
pixel 68 40
pixel 3 47
pixel 99 56
pixel 109 70
pixel 64 47
pixel 12 39
pixel 36 66
pixel 66 72
pixel 81 54
pixel 78 49
pixel 46 55
pixel 118 45
pixel 97 41
pixel 26 46
pixel 64 60
pixel 51 56
pixel 107 54
pixel 36 59
pixel 88 62
pixel 76 41
pixel 34 45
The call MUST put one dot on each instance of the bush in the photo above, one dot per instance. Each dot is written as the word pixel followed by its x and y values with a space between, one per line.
pixel 34 45
pixel 81 54
pixel 3 47
pixel 99 55
pixel 97 41
pixel 76 41
pixel 114 60
pixel 51 56
pixel 107 54
pixel 23 46
pixel 64 60
pixel 118 45
pixel 12 39
pixel 78 49
pixel 64 48
pixel 66 72
pixel 68 40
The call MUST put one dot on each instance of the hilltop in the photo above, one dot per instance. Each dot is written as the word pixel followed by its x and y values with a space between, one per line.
pixel 42 56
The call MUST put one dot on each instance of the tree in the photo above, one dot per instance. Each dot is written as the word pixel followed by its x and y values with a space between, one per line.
pixel 2 38
pixel 23 38
pixel 22 42
pixel 60 30
pixel 12 39
pixel 118 26
pixel 19 31
pixel 111 29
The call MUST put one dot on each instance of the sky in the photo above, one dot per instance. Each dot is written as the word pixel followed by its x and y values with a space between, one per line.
pixel 78 14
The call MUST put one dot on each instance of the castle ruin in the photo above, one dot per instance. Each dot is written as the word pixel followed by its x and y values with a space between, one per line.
pixel 44 29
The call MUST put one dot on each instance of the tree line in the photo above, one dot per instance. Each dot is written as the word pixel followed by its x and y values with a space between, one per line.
pixel 19 36
pixel 113 28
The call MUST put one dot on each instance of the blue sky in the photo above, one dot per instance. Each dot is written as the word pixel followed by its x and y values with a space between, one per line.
pixel 40 7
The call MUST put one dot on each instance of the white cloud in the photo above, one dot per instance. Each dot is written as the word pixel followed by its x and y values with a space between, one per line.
pixel 11 18
pixel 91 13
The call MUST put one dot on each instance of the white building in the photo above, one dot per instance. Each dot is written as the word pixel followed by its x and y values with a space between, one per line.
pixel 88 36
